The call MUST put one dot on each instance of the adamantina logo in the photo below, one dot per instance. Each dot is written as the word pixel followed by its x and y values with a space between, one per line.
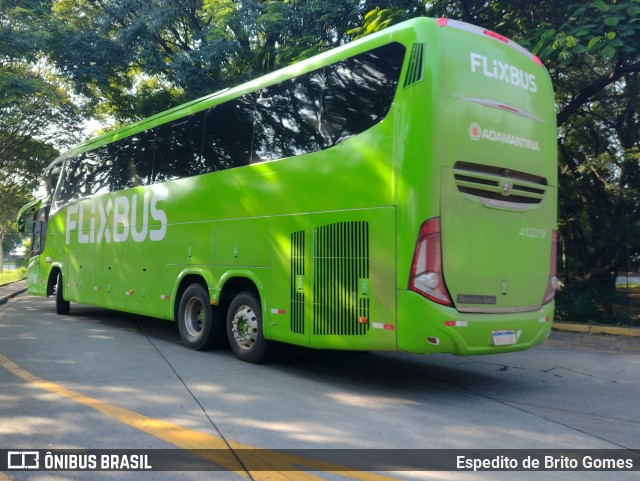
pixel 476 132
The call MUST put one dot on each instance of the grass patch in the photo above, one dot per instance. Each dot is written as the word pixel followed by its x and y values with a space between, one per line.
pixel 8 277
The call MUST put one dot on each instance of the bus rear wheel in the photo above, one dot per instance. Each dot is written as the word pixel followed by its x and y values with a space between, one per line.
pixel 244 329
pixel 195 319
pixel 62 307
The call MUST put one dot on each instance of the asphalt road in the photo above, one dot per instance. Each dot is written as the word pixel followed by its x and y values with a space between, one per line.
pixel 98 379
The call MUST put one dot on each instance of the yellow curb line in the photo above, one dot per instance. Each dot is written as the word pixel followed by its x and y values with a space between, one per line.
pixel 595 329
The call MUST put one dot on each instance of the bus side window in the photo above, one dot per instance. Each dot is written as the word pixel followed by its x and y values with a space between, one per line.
pixel 51 176
pixel 287 118
pixel 178 149
pixel 228 133
pixel 85 175
pixel 136 159
pixel 119 173
pixel 70 187
pixel 99 172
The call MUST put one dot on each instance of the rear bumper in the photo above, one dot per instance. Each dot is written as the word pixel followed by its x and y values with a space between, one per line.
pixel 426 327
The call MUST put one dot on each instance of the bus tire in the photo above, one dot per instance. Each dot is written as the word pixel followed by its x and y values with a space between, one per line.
pixel 244 329
pixel 62 307
pixel 195 318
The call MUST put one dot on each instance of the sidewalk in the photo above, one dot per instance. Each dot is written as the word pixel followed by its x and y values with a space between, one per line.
pixel 14 289
pixel 597 329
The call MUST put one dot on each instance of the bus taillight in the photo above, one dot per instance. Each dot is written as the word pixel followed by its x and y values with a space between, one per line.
pixel 426 270
pixel 553 280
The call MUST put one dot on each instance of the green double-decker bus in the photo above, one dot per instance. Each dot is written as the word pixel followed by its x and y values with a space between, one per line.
pixel 397 193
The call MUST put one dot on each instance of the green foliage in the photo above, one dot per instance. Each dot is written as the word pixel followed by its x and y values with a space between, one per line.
pixel 36 109
pixel 599 190
pixel 578 303
pixel 133 57
pixel 12 239
pixel 12 197
pixel 381 18
pixel 594 56
pixel 12 276
pixel 607 30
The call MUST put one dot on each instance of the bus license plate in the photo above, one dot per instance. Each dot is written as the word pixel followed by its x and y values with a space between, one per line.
pixel 504 338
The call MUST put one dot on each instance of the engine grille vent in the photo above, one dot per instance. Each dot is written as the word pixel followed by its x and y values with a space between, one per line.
pixel 341 263
pixel 297 274
pixel 500 187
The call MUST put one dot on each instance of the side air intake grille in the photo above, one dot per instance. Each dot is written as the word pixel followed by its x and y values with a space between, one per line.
pixel 297 276
pixel 414 73
pixel 500 187
pixel 341 266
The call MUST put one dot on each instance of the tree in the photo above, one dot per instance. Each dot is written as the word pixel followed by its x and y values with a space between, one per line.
pixel 12 197
pixel 36 110
pixel 594 57
pixel 140 57
pixel 599 197
pixel 602 36
pixel 134 58
pixel 34 114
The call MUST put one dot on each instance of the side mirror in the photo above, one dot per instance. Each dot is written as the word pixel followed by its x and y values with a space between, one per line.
pixel 21 225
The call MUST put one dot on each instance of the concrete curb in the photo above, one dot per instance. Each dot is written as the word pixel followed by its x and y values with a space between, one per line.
pixel 11 295
pixel 597 329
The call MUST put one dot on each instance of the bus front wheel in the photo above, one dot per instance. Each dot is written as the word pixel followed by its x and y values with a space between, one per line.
pixel 62 306
pixel 195 318
pixel 244 329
